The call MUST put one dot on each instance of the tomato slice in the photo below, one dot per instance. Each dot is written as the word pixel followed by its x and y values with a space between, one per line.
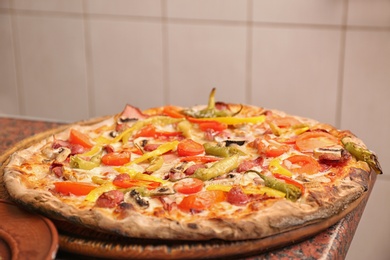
pixel 309 141
pixel 77 137
pixel 303 164
pixel 116 159
pixel 274 150
pixel 285 122
pixel 189 147
pixel 202 200
pixel 213 125
pixel 188 186
pixel 75 188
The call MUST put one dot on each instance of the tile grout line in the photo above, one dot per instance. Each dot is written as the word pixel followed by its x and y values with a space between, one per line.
pixel 88 63
pixel 341 66
pixel 18 62
pixel 249 53
pixel 165 52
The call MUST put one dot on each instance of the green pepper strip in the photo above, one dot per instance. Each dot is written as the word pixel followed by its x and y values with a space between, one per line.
pixel 217 169
pixel 363 154
pixel 221 151
pixel 78 162
pixel 292 192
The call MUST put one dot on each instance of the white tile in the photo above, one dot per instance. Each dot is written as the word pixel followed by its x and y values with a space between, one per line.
pixel 53 67
pixel 125 7
pixel 73 6
pixel 127 65
pixel 371 240
pixel 299 11
pixel 369 13
pixel 366 92
pixel 230 10
pixel 8 88
pixel 202 57
pixel 296 70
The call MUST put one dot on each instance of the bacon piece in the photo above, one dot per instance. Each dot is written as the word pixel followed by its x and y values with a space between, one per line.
pixel 131 113
pixel 247 165
pixel 110 199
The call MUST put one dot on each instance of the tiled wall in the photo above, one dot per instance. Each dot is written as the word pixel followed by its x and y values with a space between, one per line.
pixel 68 60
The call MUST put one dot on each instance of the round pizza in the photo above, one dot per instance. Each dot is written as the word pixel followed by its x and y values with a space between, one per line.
pixel 216 171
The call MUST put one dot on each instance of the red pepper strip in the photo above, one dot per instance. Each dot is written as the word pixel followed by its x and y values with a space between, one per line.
pixel 205 124
pixel 202 159
pixel 172 111
pixel 290 181
pixel 129 183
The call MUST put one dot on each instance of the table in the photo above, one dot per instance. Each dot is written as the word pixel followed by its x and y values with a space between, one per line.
pixel 333 243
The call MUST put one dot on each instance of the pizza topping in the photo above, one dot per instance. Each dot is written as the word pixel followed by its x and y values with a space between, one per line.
pixel 188 147
pixel 77 137
pixel 131 113
pixel 110 199
pixel 221 151
pixel 124 180
pixel 362 154
pixel 116 158
pixel 292 192
pixel 191 170
pixel 135 196
pixel 202 200
pixel 303 164
pixel 75 188
pixel 249 164
pixel 309 141
pixel 188 185
pixel 217 169
pixel 236 196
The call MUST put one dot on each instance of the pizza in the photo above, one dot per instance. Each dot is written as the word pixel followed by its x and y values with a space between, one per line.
pixel 214 171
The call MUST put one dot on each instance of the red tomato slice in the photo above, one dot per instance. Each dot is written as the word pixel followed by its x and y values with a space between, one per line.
pixel 304 164
pixel 188 186
pixel 202 200
pixel 75 188
pixel 116 159
pixel 276 150
pixel 77 137
pixel 189 147
pixel 285 121
pixel 309 141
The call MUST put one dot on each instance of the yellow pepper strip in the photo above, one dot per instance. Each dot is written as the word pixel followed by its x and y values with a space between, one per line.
pixel 220 187
pixel 300 129
pixel 166 147
pixel 265 191
pixel 276 167
pixel 95 150
pixel 95 193
pixel 138 175
pixel 236 120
